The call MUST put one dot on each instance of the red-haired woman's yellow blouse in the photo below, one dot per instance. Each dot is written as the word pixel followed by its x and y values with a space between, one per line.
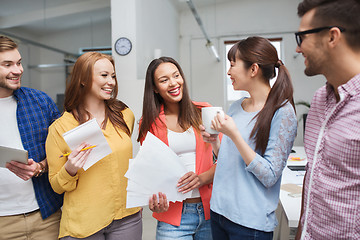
pixel 97 196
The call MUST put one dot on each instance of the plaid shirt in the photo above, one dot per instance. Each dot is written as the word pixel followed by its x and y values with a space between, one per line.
pixel 332 183
pixel 35 112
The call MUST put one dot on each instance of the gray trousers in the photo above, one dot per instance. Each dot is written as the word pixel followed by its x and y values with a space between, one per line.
pixel 128 228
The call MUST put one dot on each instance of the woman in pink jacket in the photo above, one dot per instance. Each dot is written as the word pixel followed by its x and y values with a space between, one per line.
pixel 169 114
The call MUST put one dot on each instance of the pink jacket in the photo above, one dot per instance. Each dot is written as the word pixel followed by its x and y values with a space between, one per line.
pixel 204 162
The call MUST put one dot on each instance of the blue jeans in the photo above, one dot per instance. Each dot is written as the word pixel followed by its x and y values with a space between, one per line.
pixel 193 225
pixel 224 229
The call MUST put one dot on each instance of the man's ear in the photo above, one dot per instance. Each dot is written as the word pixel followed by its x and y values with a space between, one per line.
pixel 335 36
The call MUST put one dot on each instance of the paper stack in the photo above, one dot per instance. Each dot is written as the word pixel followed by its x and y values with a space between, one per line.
pixel 156 168
pixel 90 133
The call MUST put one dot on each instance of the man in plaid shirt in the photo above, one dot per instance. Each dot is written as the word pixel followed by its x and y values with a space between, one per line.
pixel 29 208
pixel 329 40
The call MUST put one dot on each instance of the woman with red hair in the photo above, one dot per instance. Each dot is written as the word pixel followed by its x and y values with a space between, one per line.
pixel 95 199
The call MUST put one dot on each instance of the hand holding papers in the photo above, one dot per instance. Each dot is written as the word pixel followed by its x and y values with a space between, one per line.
pixel 156 168
pixel 90 133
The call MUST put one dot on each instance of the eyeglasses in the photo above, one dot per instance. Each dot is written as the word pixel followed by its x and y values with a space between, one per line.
pixel 299 35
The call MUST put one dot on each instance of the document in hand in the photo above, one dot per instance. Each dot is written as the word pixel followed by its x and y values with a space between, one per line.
pixel 88 132
pixel 156 168
pixel 8 154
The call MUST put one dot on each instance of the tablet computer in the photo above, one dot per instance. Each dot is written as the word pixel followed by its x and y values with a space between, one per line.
pixel 8 154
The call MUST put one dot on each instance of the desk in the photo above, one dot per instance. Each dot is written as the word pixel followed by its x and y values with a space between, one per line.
pixel 288 212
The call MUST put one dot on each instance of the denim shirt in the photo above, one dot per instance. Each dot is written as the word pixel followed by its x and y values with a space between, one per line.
pixel 35 112
pixel 249 195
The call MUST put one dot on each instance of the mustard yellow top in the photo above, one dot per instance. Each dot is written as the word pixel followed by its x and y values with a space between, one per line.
pixel 96 197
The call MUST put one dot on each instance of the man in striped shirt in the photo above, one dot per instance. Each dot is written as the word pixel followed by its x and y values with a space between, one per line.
pixel 329 40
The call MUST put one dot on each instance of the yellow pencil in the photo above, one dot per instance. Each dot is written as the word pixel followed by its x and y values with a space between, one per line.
pixel 67 154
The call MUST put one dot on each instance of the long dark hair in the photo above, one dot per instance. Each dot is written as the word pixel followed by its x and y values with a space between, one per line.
pixel 189 114
pixel 80 83
pixel 259 50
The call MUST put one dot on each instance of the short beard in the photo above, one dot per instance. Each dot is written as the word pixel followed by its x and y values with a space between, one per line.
pixel 312 69
pixel 6 86
pixel 309 73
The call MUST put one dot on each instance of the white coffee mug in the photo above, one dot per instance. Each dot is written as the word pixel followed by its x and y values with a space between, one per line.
pixel 207 115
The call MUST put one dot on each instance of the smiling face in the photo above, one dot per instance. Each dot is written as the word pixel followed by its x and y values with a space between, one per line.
pixel 10 72
pixel 103 80
pixel 312 47
pixel 239 75
pixel 168 83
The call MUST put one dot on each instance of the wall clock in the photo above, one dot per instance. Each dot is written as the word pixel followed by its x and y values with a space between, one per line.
pixel 123 46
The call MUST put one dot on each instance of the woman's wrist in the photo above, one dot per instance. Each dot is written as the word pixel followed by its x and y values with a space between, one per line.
pixel 215 146
pixel 202 179
pixel 69 170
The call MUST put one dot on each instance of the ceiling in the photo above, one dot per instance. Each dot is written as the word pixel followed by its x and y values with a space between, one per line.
pixel 45 16
pixel 42 17
pixel 182 5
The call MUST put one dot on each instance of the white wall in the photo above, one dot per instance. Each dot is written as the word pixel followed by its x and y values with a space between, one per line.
pixel 149 25
pixel 91 35
pixel 233 21
pixel 53 80
pixel 157 28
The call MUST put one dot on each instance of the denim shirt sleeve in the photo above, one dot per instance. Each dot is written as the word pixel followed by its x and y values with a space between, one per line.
pixel 35 112
pixel 268 167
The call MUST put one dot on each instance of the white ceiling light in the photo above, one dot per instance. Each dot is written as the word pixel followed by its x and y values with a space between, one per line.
pixel 209 44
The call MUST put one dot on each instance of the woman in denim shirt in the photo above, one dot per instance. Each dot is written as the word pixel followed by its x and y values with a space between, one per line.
pixel 259 132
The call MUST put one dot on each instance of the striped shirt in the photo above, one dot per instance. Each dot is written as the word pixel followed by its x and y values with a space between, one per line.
pixel 35 112
pixel 332 184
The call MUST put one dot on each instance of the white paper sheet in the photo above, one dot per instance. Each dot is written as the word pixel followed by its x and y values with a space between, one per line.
pixel 136 200
pixel 88 132
pixel 156 168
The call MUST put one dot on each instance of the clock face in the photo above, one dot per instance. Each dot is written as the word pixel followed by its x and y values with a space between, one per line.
pixel 123 46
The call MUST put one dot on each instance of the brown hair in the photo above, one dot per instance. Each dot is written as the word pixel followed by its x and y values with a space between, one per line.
pixel 189 114
pixel 80 83
pixel 342 13
pixel 259 50
pixel 7 44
